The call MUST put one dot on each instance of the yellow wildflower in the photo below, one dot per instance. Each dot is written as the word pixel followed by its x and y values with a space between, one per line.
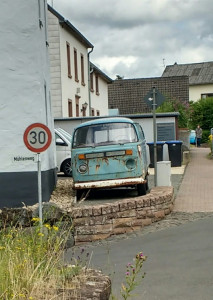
pixel 35 219
pixel 55 228
pixel 18 248
pixel 47 226
pixel 40 234
pixel 9 236
pixel 2 247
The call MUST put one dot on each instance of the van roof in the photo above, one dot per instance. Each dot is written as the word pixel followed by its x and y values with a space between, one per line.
pixel 106 120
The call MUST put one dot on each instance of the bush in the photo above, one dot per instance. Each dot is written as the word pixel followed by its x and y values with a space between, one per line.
pixel 184 109
pixel 205 136
pixel 202 114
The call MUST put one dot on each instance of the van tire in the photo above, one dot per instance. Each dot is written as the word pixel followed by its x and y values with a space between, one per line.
pixel 66 168
pixel 147 184
pixel 80 194
pixel 141 189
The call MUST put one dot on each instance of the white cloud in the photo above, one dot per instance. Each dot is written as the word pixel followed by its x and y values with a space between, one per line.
pixel 131 38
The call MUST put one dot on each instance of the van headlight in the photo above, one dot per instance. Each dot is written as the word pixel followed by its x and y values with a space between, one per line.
pixel 131 164
pixel 82 168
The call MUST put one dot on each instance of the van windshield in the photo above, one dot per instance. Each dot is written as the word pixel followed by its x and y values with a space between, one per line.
pixel 104 134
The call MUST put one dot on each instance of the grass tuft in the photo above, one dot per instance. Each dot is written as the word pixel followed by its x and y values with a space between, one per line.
pixel 31 264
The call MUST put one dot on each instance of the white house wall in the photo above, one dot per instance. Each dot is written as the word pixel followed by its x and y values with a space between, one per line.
pixel 25 99
pixel 100 102
pixel 196 91
pixel 69 90
pixel 55 64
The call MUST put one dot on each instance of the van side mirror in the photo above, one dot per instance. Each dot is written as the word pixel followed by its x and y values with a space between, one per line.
pixel 60 142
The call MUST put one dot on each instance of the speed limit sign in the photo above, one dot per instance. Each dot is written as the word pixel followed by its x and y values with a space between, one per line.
pixel 37 137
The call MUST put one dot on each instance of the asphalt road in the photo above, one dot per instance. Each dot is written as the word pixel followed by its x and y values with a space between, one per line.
pixel 180 255
pixel 179 264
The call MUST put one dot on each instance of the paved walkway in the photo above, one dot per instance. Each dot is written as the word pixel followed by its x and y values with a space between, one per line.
pixel 196 191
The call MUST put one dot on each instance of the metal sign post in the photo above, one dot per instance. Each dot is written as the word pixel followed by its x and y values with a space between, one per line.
pixel 37 138
pixel 154 136
pixel 154 99
pixel 39 189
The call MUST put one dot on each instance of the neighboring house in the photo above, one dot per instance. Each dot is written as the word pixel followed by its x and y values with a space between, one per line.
pixel 25 90
pixel 70 67
pixel 127 95
pixel 200 78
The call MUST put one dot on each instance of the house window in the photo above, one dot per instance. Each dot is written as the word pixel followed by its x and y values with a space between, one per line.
pixel 91 83
pixel 76 65
pixel 82 70
pixel 204 96
pixel 68 60
pixel 96 85
pixel 92 112
pixel 70 108
pixel 77 106
pixel 98 113
pixel 83 111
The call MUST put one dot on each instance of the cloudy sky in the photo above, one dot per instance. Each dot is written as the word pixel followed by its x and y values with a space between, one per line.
pixel 138 38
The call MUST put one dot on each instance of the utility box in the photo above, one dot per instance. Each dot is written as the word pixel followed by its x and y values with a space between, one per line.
pixel 164 173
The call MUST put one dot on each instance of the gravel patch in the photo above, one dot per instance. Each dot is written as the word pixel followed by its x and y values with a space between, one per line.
pixel 64 195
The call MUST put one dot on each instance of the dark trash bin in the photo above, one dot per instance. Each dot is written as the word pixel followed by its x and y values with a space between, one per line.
pixel 175 153
pixel 159 146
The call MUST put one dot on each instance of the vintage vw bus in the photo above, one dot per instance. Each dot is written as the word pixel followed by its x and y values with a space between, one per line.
pixel 109 152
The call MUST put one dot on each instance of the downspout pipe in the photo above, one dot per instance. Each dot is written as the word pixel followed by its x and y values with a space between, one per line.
pixel 89 90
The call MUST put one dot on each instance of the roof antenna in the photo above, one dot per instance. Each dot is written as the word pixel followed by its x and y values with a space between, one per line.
pixel 164 63
pixel 52 2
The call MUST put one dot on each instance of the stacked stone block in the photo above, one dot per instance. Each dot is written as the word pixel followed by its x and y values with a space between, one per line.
pixel 99 222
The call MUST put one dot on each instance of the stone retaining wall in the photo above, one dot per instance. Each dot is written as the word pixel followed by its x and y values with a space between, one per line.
pixel 98 222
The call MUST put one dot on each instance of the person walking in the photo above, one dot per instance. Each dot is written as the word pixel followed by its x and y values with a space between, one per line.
pixel 198 132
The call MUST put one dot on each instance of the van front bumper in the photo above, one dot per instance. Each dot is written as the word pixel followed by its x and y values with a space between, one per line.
pixel 108 183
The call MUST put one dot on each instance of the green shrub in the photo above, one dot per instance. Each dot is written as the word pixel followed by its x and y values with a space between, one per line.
pixel 184 109
pixel 205 136
pixel 202 114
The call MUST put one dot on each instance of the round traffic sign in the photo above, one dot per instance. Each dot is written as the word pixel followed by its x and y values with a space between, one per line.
pixel 37 137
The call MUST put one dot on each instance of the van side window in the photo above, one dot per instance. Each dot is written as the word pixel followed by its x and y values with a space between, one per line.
pixel 140 130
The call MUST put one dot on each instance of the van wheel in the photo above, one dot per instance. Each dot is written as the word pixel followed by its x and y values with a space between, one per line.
pixel 141 189
pixel 147 184
pixel 81 194
pixel 66 168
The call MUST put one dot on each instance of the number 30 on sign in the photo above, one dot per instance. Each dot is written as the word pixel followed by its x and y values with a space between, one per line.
pixel 37 137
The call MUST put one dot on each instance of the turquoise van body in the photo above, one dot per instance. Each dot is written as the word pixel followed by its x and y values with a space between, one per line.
pixel 109 152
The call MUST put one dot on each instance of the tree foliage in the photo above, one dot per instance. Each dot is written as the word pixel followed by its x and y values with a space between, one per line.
pixel 192 113
pixel 183 108
pixel 202 113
